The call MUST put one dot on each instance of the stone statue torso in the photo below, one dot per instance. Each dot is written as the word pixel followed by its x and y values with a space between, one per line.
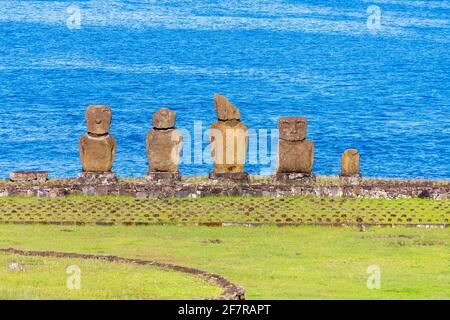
pixel 164 149
pixel 97 153
pixel 229 143
pixel 295 156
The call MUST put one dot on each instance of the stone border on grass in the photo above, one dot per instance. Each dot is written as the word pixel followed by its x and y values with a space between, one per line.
pixel 230 290
pixel 229 224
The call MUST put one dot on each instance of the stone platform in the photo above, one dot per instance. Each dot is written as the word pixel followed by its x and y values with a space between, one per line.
pixel 163 176
pixel 353 180
pixel 295 177
pixel 229 176
pixel 203 187
pixel 104 178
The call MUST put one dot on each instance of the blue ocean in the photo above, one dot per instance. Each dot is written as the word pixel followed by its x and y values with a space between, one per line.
pixel 372 75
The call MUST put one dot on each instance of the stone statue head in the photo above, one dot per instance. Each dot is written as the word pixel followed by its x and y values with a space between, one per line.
pixel 164 119
pixel 98 119
pixel 292 128
pixel 352 152
pixel 225 109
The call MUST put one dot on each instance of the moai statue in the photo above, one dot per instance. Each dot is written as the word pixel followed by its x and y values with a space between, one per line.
pixel 350 172
pixel 97 147
pixel 229 142
pixel 164 144
pixel 295 153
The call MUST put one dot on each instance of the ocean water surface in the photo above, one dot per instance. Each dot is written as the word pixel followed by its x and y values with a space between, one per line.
pixel 384 91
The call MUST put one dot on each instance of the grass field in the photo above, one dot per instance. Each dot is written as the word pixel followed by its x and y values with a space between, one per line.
pixel 239 210
pixel 305 262
pixel 46 278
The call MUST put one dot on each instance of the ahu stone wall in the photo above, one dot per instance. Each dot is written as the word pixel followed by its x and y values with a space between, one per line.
pixel 370 188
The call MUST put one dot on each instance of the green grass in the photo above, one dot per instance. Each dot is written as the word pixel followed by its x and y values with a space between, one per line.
pixel 46 278
pixel 305 262
pixel 240 210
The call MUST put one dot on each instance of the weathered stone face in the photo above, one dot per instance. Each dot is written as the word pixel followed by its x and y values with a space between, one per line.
pixel 295 156
pixel 350 163
pixel 164 119
pixel 229 143
pixel 164 150
pixel 98 119
pixel 225 109
pixel 292 128
pixel 97 153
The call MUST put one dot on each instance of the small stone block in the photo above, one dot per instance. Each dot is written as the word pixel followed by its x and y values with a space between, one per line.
pixel 163 176
pixel 350 163
pixel 88 177
pixel 40 176
pixel 232 176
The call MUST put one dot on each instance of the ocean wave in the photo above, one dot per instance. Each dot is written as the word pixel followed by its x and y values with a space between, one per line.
pixel 230 15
